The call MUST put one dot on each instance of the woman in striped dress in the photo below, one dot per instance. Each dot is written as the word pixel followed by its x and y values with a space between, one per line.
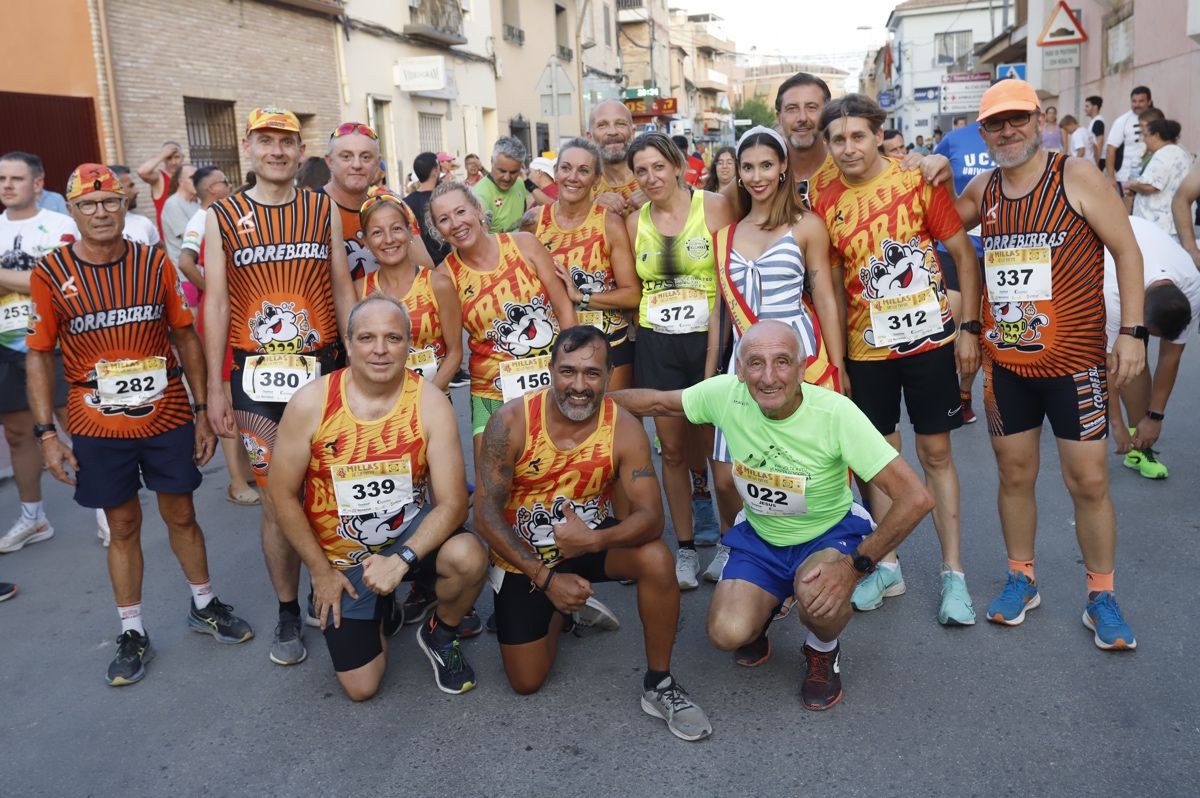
pixel 773 264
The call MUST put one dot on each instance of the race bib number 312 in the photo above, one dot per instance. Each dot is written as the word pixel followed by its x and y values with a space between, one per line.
pixel 906 318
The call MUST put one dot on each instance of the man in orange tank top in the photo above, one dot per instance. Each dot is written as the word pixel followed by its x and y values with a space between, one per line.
pixel 1046 220
pixel 370 489
pixel 543 503
pixel 610 127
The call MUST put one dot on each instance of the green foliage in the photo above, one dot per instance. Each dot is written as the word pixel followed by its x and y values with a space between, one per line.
pixel 756 109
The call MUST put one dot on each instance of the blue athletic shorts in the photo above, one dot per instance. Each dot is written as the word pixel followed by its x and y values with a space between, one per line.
pixel 773 568
pixel 112 470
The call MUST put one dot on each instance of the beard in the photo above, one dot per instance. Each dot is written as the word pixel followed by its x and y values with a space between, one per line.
pixel 802 141
pixel 572 412
pixel 1010 161
pixel 614 153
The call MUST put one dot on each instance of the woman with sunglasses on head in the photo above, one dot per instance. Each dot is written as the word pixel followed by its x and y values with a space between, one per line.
pixel 435 348
pixel 591 253
pixel 673 252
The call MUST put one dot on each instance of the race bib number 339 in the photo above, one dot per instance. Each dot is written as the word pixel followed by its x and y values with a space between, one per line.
pixel 1017 275
pixel 770 492
pixel 274 378
pixel 372 488
pixel 524 375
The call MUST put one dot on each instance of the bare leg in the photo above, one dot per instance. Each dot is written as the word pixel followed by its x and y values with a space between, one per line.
pixel 677 480
pixel 942 478
pixel 461 571
pixel 26 454
pixel 1085 472
pixel 880 502
pixel 658 596
pixel 125 551
pixel 738 613
pixel 187 540
pixel 1018 460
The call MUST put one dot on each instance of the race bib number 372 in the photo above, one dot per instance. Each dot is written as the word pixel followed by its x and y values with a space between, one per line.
pixel 679 310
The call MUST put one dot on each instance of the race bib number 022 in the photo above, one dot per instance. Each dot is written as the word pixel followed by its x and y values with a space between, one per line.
pixel 770 492
pixel 1017 275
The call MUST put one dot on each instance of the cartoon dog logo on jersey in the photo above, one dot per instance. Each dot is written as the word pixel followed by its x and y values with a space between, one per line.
pixel 92 400
pixel 536 526
pixel 280 330
pixel 903 270
pixel 375 531
pixel 524 328
pixel 586 282
pixel 256 454
pixel 359 257
pixel 1018 326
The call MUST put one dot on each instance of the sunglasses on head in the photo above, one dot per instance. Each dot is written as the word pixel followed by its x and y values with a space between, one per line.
pixel 349 128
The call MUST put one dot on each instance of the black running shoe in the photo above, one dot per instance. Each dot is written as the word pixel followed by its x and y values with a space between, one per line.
pixel 461 379
pixel 470 626
pixel 491 624
pixel 218 620
pixel 418 605
pixel 754 653
pixel 393 615
pixel 7 590
pixel 129 666
pixel 822 687
pixel 451 670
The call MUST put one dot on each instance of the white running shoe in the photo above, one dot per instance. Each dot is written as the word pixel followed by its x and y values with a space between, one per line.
pixel 713 572
pixel 102 530
pixel 687 568
pixel 596 614
pixel 24 532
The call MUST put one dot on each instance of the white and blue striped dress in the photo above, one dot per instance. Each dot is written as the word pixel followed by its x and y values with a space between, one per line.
pixel 772 285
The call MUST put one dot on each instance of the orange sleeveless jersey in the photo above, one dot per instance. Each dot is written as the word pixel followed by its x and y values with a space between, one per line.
pixel 506 314
pixel 1062 335
pixel 361 261
pixel 340 440
pixel 585 252
pixel 624 189
pixel 883 232
pixel 546 479
pixel 422 306
pixel 105 312
pixel 277 269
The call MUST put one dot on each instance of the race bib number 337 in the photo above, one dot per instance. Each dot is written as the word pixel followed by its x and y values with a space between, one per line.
pixel 1017 275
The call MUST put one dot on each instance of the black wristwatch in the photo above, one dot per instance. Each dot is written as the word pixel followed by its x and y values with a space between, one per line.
pixel 1137 331
pixel 41 429
pixel 408 555
pixel 973 327
pixel 1150 414
pixel 200 408
pixel 863 564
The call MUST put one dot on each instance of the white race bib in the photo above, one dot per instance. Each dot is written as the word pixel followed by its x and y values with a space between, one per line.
pixel 496 576
pixel 679 310
pixel 906 318
pixel 592 317
pixel 423 361
pixel 1017 275
pixel 274 378
pixel 769 492
pixel 14 312
pixel 378 488
pixel 127 383
pixel 524 375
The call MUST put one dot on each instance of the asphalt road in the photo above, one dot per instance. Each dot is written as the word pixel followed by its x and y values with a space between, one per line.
pixel 980 711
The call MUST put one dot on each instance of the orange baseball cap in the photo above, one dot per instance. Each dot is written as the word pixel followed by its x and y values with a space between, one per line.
pixel 272 118
pixel 1010 94
pixel 89 177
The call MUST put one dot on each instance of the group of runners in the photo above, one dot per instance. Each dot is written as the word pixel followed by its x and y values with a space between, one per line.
pixel 791 314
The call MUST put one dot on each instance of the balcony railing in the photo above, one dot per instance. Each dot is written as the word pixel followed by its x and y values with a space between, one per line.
pixel 627 5
pixel 565 54
pixel 437 21
pixel 514 34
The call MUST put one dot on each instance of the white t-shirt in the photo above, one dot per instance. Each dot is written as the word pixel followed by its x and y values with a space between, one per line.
pixel 22 244
pixel 1084 139
pixel 193 234
pixel 1164 260
pixel 140 230
pixel 1127 130
pixel 1166 171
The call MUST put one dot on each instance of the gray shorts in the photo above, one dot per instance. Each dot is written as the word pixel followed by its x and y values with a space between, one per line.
pixel 13 397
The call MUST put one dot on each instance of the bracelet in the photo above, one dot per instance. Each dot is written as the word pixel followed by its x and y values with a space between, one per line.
pixel 199 408
pixel 583 303
pixel 546 585
pixel 1150 414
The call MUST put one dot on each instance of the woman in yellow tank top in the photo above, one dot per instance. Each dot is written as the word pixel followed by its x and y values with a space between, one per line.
pixel 675 259
pixel 592 256
pixel 512 301
pixel 435 351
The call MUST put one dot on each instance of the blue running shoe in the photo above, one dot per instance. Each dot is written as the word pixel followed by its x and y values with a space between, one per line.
pixel 1018 595
pixel 705 528
pixel 873 588
pixel 1103 617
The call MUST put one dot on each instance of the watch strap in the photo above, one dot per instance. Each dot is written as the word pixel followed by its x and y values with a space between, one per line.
pixel 1150 414
pixel 408 555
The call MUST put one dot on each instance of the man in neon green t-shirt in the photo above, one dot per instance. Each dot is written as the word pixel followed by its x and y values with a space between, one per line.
pixel 502 192
pixel 803 535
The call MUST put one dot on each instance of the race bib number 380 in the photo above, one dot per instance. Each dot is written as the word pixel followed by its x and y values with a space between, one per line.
pixel 769 492
pixel 128 383
pixel 906 318
pixel 274 378
pixel 372 488
pixel 524 375
pixel 679 310
pixel 1017 275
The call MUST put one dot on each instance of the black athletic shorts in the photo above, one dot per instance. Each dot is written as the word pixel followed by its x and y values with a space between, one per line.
pixel 928 381
pixel 667 362
pixel 620 349
pixel 1076 404
pixel 112 470
pixel 13 395
pixel 949 269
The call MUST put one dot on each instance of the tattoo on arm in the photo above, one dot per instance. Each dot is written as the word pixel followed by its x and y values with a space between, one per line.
pixel 644 471
pixel 496 474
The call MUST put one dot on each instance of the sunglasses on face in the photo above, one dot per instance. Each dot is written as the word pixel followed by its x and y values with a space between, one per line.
pixel 349 128
pixel 995 125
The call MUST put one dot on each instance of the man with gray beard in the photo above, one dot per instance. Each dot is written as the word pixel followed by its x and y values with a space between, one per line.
pixel 610 127
pixel 543 503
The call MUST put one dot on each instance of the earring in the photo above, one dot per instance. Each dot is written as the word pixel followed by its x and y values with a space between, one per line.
pixel 782 178
pixel 740 183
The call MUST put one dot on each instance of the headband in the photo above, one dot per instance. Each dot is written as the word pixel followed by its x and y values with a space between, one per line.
pixel 766 131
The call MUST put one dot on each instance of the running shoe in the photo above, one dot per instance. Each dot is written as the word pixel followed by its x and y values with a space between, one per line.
pixel 288 646
pixel 418 605
pixel 1146 463
pixel 956 608
pixel 1018 596
pixel 310 613
pixel 491 624
pixel 873 588
pixel 822 685
pixel 754 653
pixel 102 530
pixel 218 620
pixel 129 666
pixel 470 626
pixel 704 521
pixel 670 702
pixel 461 379
pixel 1103 617
pixel 596 615
pixel 715 568
pixel 687 568
pixel 23 532
pixel 393 616
pixel 451 670
pixel 7 590
pixel 969 416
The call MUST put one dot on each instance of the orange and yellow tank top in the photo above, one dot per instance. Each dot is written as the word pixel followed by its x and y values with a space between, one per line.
pixel 584 250
pixel 366 480
pixel 506 313
pixel 428 345
pixel 546 479
pixel 625 189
